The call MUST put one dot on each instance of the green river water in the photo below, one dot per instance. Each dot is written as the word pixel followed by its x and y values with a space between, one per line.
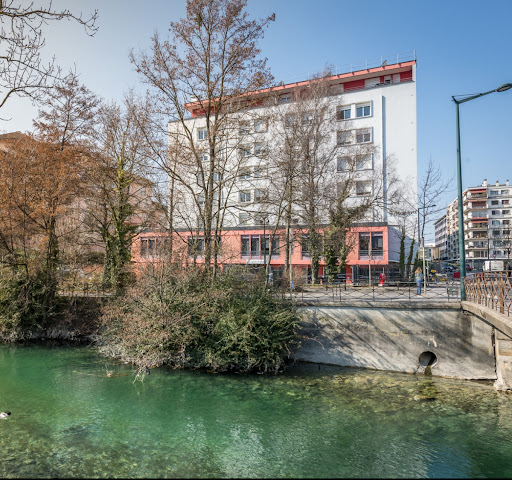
pixel 69 419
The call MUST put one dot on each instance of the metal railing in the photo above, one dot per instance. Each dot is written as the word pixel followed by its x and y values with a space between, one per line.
pixel 398 291
pixel 492 289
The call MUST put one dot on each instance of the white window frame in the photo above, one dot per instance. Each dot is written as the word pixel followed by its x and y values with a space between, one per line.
pixel 341 112
pixel 260 194
pixel 363 106
pixel 202 134
pixel 361 193
pixel 340 160
pixel 366 133
pixel 285 98
pixel 346 135
pixel 243 218
pixel 245 151
pixel 367 158
pixel 260 149
pixel 307 119
pixel 245 173
pixel 244 128
pixel 244 196
pixel 260 125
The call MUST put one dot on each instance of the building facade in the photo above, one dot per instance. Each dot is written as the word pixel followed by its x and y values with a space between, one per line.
pixel 370 133
pixel 487 217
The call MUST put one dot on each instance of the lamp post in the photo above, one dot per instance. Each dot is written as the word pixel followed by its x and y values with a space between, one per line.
pixel 462 253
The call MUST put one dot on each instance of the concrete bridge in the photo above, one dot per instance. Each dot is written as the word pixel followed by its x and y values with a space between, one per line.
pixel 398 332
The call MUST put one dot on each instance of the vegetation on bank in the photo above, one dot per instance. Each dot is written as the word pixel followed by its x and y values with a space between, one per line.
pixel 184 318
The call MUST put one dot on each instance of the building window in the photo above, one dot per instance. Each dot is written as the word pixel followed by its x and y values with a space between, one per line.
pixel 243 218
pixel 202 134
pixel 495 202
pixel 363 110
pixel 245 173
pixel 504 192
pixel 259 149
pixel 495 212
pixel 244 128
pixel 200 199
pixel 505 212
pixel 255 245
pixel 343 164
pixel 153 246
pixel 343 113
pixel 245 247
pixel 245 151
pixel 344 137
pixel 364 135
pixel 289 120
pixel 364 162
pixel 260 195
pixel 195 246
pixel 217 176
pixel 494 193
pixel 375 240
pixel 307 119
pixel 505 202
pixel 364 187
pixel 285 98
pixel 260 125
pixel 305 246
pixel 259 171
pixel 204 157
pixel 245 196
pixel 495 223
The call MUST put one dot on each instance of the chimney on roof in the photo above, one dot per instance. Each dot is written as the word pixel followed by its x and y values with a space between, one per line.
pixel 484 183
pixel 497 183
pixel 507 182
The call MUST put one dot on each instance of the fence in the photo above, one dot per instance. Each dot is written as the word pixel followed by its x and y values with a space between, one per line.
pixel 492 290
pixel 399 291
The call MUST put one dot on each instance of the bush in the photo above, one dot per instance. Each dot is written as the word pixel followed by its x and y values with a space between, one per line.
pixel 24 305
pixel 185 318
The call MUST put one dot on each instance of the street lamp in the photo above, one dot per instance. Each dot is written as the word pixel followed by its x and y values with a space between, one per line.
pixel 462 253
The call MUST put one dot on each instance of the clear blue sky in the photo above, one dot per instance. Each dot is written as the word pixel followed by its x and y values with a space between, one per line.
pixel 462 47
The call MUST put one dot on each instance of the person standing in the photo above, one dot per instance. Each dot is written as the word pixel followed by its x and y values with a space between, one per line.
pixel 418 276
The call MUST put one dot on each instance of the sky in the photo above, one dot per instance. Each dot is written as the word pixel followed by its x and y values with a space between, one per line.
pixel 462 47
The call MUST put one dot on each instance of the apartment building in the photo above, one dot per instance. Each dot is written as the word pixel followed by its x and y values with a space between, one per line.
pixel 441 237
pixel 487 215
pixel 372 127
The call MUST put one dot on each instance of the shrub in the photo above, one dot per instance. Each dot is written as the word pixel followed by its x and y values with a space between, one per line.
pixel 186 318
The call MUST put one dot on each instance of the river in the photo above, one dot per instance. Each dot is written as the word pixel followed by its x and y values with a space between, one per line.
pixel 76 414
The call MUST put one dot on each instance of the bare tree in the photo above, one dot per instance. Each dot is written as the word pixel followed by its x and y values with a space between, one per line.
pixel 432 187
pixel 210 62
pixel 120 192
pixel 22 70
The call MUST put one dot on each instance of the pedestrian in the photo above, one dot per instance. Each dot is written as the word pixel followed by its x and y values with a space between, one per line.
pixel 418 276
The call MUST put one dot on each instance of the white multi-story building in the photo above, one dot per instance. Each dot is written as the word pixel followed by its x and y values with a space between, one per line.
pixel 487 214
pixel 373 107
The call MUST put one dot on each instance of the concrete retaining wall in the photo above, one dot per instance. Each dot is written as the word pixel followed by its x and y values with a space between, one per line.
pixel 394 338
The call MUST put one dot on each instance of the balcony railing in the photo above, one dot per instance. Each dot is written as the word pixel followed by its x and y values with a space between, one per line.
pixel 377 254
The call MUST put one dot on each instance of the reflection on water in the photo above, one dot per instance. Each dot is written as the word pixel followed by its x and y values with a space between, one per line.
pixel 74 414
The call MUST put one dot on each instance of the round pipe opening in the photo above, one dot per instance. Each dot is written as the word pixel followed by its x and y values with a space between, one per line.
pixel 428 359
